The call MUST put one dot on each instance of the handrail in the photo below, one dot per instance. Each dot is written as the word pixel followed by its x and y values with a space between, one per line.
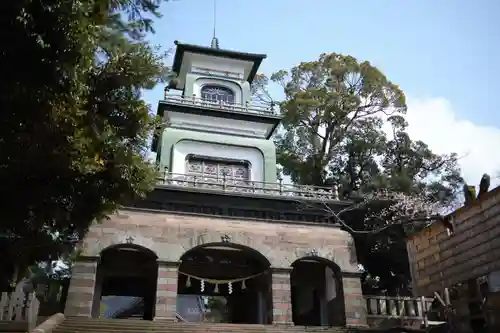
pixel 398 307
pixel 181 318
pixel 234 185
pixel 246 107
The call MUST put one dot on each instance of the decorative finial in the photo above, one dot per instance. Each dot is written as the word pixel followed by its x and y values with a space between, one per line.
pixel 225 238
pixel 215 41
pixel 313 253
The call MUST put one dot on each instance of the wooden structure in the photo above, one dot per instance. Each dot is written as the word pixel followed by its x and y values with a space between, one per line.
pixel 409 311
pixel 465 257
pixel 19 310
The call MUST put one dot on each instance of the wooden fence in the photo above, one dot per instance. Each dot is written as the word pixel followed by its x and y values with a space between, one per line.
pixel 402 308
pixel 19 307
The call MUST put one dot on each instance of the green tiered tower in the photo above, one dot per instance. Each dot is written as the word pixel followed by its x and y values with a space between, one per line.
pixel 214 130
pixel 219 222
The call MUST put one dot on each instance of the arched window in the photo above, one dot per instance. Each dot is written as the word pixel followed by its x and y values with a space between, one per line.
pixel 217 93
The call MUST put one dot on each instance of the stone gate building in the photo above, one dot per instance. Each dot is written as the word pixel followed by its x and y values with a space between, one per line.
pixel 219 222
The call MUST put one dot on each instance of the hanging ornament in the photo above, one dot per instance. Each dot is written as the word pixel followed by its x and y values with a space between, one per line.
pixel 188 282
pixel 243 286
pixel 216 289
pixel 230 288
pixel 202 286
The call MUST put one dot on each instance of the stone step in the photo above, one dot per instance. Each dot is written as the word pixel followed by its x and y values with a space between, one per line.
pixel 183 326
pixel 13 326
pixel 102 325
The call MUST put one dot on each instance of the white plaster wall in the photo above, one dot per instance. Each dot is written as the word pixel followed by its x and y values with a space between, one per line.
pixel 236 88
pixel 240 67
pixel 186 147
pixel 203 123
pixel 218 63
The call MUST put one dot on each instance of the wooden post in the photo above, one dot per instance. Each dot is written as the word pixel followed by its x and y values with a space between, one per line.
pixel 439 299
pixel 447 296
pixel 424 311
pixel 32 311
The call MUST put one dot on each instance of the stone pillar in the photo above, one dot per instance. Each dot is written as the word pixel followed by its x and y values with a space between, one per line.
pixel 166 291
pixel 99 279
pixel 282 300
pixel 81 288
pixel 355 304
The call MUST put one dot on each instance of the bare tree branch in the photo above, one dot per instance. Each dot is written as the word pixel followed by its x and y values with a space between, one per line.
pixel 386 208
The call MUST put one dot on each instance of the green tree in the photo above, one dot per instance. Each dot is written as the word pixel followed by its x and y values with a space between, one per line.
pixel 75 130
pixel 334 113
pixel 323 99
pixel 218 311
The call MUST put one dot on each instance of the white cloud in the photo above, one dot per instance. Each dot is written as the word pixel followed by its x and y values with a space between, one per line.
pixel 434 122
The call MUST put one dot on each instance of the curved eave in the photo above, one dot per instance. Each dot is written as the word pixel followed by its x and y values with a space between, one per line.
pixel 252 57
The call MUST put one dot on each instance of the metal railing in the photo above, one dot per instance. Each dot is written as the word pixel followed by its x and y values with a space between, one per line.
pixel 226 184
pixel 220 105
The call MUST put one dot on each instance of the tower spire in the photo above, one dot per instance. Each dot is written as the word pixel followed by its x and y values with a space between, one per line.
pixel 215 41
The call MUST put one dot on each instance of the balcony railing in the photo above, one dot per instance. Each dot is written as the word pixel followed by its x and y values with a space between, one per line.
pixel 220 105
pixel 402 308
pixel 226 184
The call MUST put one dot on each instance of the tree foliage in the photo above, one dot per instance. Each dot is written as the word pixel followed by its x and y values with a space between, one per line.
pixel 218 310
pixel 74 127
pixel 344 123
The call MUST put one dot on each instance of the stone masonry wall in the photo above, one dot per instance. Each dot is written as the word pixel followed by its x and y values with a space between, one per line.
pixel 166 292
pixel 441 259
pixel 81 288
pixel 355 304
pixel 282 300
pixel 169 236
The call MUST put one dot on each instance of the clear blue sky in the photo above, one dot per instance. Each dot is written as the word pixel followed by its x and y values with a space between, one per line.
pixel 431 48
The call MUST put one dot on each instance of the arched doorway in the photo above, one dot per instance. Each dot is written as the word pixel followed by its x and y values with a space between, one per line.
pixel 223 282
pixel 317 293
pixel 126 283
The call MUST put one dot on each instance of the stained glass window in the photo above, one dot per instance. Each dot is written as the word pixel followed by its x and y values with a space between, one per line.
pixel 218 169
pixel 217 93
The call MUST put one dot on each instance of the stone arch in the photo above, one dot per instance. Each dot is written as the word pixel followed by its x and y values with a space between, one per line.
pixel 318 259
pixel 126 274
pixel 317 291
pixel 339 256
pixel 129 246
pixel 237 239
pixel 250 250
pixel 92 248
pixel 238 274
